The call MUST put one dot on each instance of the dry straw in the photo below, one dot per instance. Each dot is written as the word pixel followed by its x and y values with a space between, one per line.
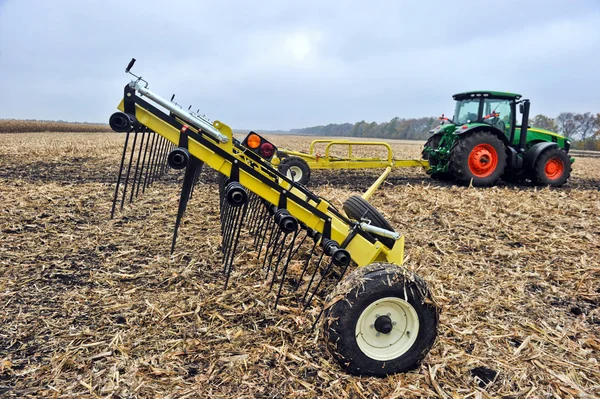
pixel 92 307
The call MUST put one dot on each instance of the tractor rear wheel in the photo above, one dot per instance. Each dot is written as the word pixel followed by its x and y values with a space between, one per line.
pixel 433 142
pixel 552 168
pixel 380 320
pixel 296 169
pixel 356 207
pixel 478 158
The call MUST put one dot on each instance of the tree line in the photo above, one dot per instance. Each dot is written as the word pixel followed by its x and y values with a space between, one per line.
pixel 583 129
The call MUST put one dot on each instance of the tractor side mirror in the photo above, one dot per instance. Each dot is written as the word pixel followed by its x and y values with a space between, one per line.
pixel 521 108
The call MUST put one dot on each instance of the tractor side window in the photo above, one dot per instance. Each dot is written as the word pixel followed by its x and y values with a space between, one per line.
pixel 500 107
pixel 466 110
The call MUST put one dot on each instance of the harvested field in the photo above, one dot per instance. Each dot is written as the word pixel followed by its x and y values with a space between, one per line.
pixel 93 307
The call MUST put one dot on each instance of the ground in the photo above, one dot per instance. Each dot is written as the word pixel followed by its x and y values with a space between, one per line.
pixel 94 307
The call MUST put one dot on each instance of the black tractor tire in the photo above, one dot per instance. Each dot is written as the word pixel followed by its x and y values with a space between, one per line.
pixel 481 149
pixel 380 320
pixel 552 168
pixel 296 169
pixel 433 143
pixel 357 208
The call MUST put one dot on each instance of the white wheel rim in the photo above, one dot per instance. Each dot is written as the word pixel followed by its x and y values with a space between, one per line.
pixel 405 329
pixel 294 173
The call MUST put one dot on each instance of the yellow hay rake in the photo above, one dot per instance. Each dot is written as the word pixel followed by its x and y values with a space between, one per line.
pixel 297 165
pixel 377 317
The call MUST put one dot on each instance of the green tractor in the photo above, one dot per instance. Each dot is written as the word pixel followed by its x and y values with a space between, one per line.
pixel 484 142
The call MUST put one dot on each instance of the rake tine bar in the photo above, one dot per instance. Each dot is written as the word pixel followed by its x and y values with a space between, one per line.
pixel 185 195
pixel 114 204
pixel 129 167
pixel 137 166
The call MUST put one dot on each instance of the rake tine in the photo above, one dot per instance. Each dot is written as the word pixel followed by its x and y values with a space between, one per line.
pixel 137 166
pixel 163 144
pixel 279 245
pixel 196 179
pixel 157 165
pixel 228 234
pixel 254 213
pixel 312 278
pixel 256 219
pixel 149 167
pixel 129 167
pixel 229 226
pixel 114 204
pixel 185 195
pixel 273 245
pixel 317 319
pixel 235 244
pixel 319 283
pixel 157 149
pixel 285 267
pixel 312 252
pixel 261 234
pixel 299 245
pixel 143 163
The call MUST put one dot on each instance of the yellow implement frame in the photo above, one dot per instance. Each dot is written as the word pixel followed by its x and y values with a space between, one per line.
pixel 328 161
pixel 257 178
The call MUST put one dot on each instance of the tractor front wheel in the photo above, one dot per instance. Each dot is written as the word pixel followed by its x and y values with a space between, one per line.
pixel 478 158
pixel 380 320
pixel 296 169
pixel 552 168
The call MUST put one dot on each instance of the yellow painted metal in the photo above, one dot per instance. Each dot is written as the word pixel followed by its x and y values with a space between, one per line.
pixel 361 250
pixel 377 183
pixel 328 161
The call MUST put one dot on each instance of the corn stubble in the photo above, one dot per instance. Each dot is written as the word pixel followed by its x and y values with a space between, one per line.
pixel 93 307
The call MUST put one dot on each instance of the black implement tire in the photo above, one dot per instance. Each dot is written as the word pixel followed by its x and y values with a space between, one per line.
pixel 296 169
pixel 433 143
pixel 552 168
pixel 355 333
pixel 478 157
pixel 356 208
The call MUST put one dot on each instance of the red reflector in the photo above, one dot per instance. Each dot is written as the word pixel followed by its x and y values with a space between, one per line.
pixel 465 126
pixel 267 150
pixel 184 128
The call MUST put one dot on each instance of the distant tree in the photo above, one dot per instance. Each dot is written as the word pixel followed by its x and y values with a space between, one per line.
pixel 567 125
pixel 544 122
pixel 586 125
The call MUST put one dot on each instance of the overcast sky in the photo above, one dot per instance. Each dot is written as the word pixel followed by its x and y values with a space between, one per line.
pixel 285 64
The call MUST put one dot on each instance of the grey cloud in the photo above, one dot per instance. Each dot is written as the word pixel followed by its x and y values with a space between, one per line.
pixel 279 64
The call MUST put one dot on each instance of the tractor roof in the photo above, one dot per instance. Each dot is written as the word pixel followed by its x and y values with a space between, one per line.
pixel 486 93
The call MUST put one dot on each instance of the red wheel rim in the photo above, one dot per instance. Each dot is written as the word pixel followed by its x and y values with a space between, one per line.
pixel 554 168
pixel 483 160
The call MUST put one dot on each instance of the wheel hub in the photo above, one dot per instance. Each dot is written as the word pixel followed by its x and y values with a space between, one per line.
pixel 383 324
pixel 387 328
pixel 483 160
pixel 554 168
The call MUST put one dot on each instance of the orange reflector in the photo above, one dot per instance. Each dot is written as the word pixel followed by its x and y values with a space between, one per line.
pixel 253 141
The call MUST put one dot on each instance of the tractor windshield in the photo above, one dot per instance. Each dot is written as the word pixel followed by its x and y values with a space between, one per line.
pixel 498 113
pixel 466 111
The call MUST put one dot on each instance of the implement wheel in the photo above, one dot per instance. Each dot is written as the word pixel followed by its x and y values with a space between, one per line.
pixel 296 169
pixel 433 142
pixel 357 208
pixel 380 320
pixel 552 168
pixel 478 157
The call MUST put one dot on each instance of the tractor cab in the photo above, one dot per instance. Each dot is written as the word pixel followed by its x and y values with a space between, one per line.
pixel 483 142
pixel 497 109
